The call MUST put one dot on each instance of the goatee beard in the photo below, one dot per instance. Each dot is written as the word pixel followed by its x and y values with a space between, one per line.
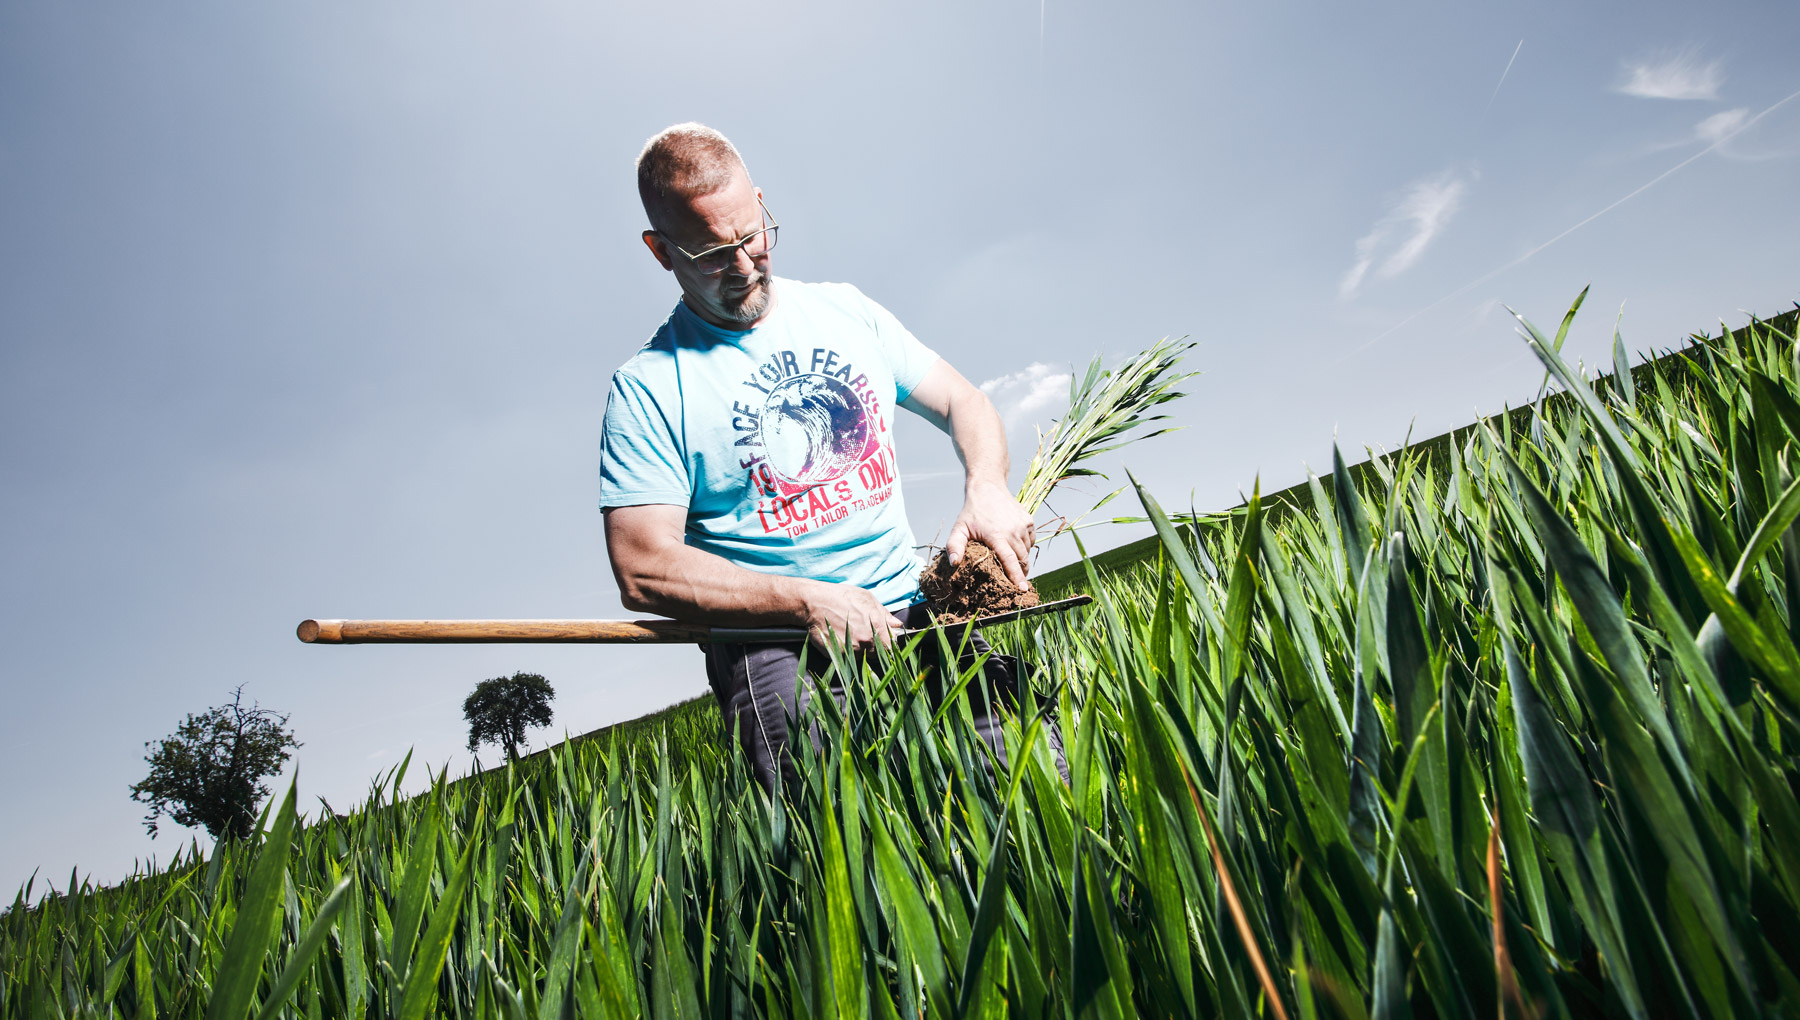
pixel 751 305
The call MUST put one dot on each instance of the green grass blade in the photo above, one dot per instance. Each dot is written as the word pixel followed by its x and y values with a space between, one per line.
pixel 258 922
pixel 300 961
pixel 415 886
pixel 1352 519
pixel 422 977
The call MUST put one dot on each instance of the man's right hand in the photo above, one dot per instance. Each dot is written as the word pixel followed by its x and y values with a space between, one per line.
pixel 849 615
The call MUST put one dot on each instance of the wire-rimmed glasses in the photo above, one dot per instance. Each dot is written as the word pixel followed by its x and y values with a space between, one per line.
pixel 714 261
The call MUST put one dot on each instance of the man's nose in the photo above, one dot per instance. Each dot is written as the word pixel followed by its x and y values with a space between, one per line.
pixel 742 264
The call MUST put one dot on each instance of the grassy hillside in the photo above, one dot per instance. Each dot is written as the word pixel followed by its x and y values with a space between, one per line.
pixel 1435 450
pixel 1502 731
pixel 683 723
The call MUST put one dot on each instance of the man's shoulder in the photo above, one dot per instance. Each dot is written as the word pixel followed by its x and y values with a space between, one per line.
pixel 844 301
pixel 652 360
pixel 824 292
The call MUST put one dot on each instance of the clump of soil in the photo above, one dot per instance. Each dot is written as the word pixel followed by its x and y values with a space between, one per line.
pixel 978 586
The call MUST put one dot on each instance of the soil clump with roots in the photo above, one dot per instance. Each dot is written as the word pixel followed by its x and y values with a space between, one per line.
pixel 978 586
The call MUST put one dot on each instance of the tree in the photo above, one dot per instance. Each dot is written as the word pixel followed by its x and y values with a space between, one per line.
pixel 500 710
pixel 209 773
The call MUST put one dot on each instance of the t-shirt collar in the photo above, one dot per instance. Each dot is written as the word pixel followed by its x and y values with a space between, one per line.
pixel 692 318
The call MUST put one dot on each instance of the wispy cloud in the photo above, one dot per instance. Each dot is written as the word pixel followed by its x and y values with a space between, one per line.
pixel 1720 126
pixel 1745 125
pixel 1022 395
pixel 1732 134
pixel 1727 133
pixel 1398 239
pixel 1673 76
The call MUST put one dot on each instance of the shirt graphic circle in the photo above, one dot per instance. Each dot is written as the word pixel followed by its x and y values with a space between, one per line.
pixel 814 429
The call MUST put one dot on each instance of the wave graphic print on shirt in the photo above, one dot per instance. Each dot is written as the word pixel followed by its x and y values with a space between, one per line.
pixel 816 445
pixel 814 429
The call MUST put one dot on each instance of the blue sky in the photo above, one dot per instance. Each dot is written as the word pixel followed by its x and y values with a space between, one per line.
pixel 308 309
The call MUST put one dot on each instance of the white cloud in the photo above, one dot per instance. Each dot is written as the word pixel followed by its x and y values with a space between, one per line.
pixel 1398 239
pixel 1681 76
pixel 1733 134
pixel 1721 126
pixel 1024 394
pixel 1730 133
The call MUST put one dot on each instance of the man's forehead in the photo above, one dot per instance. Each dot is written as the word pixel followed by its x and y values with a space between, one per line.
pixel 723 216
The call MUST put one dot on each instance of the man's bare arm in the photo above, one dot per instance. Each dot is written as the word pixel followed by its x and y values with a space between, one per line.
pixel 660 573
pixel 989 513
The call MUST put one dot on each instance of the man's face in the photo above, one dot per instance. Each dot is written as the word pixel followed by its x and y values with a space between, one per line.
pixel 738 297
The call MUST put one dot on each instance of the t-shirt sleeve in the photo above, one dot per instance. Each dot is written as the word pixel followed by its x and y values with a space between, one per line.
pixel 640 453
pixel 907 358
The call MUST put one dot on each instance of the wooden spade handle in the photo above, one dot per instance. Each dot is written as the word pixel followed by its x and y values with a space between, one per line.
pixel 413 632
pixel 592 632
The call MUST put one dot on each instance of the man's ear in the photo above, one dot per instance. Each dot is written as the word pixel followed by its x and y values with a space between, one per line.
pixel 654 242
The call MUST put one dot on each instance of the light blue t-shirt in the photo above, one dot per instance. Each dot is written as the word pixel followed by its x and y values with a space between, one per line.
pixel 778 440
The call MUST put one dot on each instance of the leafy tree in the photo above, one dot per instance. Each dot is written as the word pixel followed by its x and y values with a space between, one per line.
pixel 209 773
pixel 500 710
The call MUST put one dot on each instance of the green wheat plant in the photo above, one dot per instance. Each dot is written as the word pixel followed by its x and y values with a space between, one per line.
pixel 1501 726
pixel 1108 408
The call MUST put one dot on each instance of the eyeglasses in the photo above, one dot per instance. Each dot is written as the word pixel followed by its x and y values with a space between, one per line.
pixel 714 261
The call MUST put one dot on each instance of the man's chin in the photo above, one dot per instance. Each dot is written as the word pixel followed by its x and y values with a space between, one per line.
pixel 748 306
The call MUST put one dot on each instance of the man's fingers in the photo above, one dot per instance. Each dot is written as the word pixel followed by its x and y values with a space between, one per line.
pixel 954 545
pixel 1021 543
pixel 875 637
pixel 1010 560
pixel 872 627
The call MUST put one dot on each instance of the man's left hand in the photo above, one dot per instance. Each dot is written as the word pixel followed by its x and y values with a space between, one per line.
pixel 992 515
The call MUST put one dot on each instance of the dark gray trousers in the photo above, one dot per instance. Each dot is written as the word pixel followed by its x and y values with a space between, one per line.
pixel 760 693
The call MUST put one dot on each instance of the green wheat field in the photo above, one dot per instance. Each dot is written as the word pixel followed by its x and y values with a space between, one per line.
pixel 1501 725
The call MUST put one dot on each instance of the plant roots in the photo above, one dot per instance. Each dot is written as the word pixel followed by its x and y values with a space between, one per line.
pixel 978 586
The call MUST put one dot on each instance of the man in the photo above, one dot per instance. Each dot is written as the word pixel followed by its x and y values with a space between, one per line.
pixel 748 474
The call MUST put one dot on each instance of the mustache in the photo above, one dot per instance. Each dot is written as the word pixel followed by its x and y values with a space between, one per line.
pixel 752 286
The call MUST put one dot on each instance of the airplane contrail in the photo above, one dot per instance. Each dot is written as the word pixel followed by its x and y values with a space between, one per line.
pixel 1640 189
pixel 1503 74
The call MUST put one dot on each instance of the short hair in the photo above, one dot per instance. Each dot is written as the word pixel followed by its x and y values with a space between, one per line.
pixel 683 162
